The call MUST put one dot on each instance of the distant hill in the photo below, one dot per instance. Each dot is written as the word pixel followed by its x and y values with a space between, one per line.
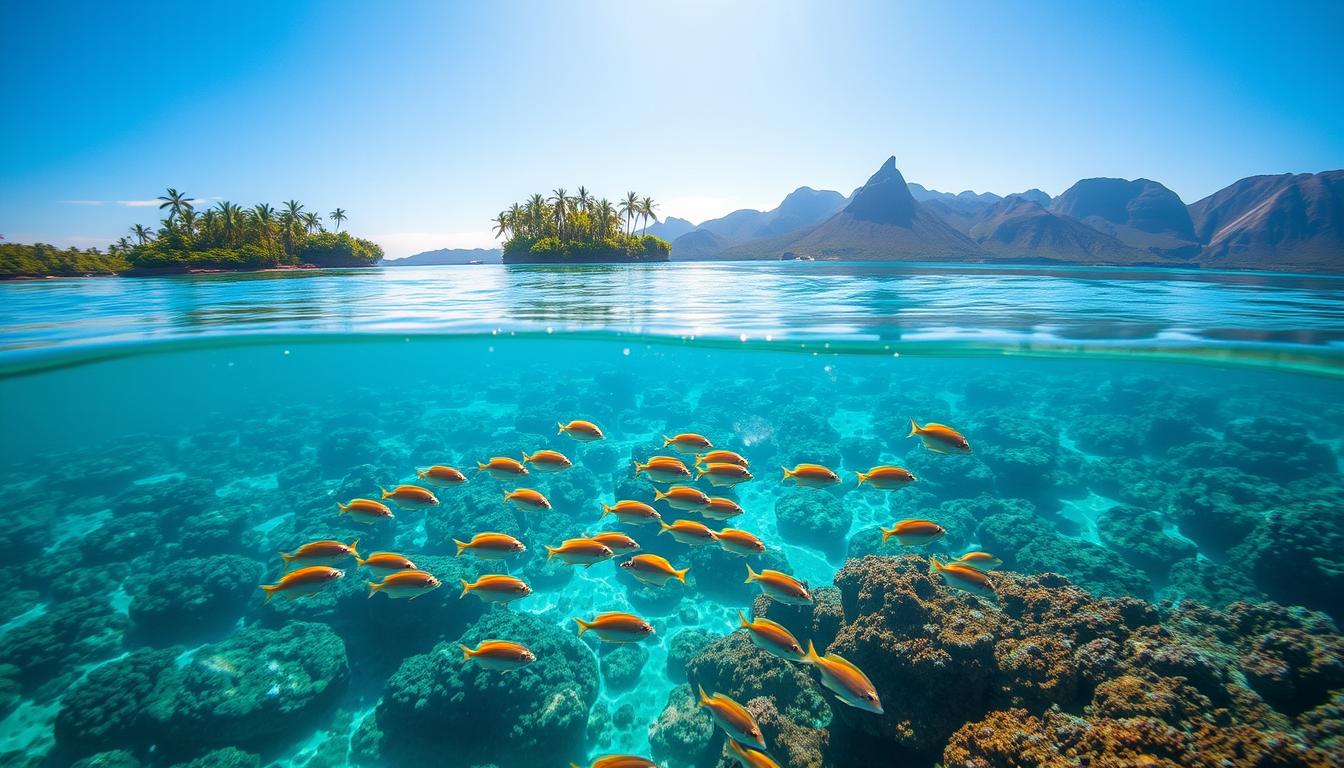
pixel 801 208
pixel 1293 222
pixel 1139 213
pixel 671 228
pixel 700 244
pixel 1018 227
pixel 448 256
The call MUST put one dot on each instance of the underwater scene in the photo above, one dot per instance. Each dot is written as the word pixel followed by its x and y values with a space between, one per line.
pixel 520 547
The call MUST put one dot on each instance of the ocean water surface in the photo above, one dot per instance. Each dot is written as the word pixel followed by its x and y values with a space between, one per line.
pixel 1155 458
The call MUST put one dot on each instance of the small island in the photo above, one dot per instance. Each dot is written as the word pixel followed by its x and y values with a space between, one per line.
pixel 580 229
pixel 224 237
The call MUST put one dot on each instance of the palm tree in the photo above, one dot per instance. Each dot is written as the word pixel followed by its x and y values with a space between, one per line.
pixel 188 221
pixel 311 221
pixel 264 216
pixel 230 217
pixel 646 207
pixel 142 234
pixel 559 207
pixel 629 208
pixel 501 223
pixel 175 201
pixel 338 216
pixel 605 213
pixel 583 199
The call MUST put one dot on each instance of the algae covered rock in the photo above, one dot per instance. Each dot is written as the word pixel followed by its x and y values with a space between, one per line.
pixel 229 757
pixel 817 520
pixel 195 596
pixel 67 634
pixel 106 709
pixel 1140 538
pixel 684 736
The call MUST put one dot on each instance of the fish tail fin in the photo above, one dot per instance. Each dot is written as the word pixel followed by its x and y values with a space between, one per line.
pixel 359 560
pixel 666 441
pixel 285 556
pixel 699 459
pixel 466 587
pixel 751 575
pixel 663 527
pixel 606 510
pixel 935 565
pixel 550 551
pixel 742 620
pixel 701 473
pixel 386 493
pixel 373 587
pixel 681 575
pixel 886 533
pixel 638 467
pixel 700 690
pixel 269 589
pixel 715 535
pixel 862 476
pixel 480 466
pixel 914 428
pixel 420 474
pixel 583 625
pixel 811 657
pixel 467 653
pixel 461 545
pixel 354 548
pixel 342 507
pixel 787 473
pixel 559 428
pixel 526 457
pixel 658 495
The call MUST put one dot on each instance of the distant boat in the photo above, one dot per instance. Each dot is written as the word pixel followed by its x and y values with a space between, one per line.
pixel 475 261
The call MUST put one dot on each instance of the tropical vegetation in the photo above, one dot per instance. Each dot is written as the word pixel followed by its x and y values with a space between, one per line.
pixel 221 236
pixel 580 228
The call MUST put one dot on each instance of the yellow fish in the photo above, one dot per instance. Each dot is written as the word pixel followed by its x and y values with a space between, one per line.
pixel 845 680
pixel 964 578
pixel 980 561
pixel 585 552
pixel 687 442
pixel 940 438
pixel 632 512
pixel 527 499
pixel 689 532
pixel 583 431
pixel 811 476
pixel 740 542
pixel 780 586
pixel 720 508
pixel 620 761
pixel 548 461
pixel 655 570
pixel 499 655
pixel 365 510
pixel 724 474
pixel 914 533
pixel 616 627
pixel 747 757
pixel 386 563
pixel 411 497
pixel 304 581
pixel 721 457
pixel 616 541
pixel 772 638
pixel 441 476
pixel 324 552
pixel 496 588
pixel 683 497
pixel 733 718
pixel 663 469
pixel 408 584
pixel 491 546
pixel 886 478
pixel 502 468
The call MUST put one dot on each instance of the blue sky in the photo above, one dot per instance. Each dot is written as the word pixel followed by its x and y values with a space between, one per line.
pixel 425 119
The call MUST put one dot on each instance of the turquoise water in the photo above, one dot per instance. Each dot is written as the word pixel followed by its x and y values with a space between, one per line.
pixel 1161 437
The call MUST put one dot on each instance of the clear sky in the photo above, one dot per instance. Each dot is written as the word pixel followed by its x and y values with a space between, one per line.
pixel 423 120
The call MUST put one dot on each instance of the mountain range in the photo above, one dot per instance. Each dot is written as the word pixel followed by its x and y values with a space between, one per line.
pixel 449 256
pixel 1292 222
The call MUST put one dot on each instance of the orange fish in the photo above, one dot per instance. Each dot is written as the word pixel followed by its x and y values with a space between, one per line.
pixel 527 499
pixel 491 546
pixel 772 638
pixel 495 588
pixel 585 552
pixel 845 680
pixel 747 757
pixel 502 468
pixel 811 475
pixel 411 497
pixel 980 561
pixel 683 497
pixel 632 512
pixel 724 474
pixel 721 509
pixel 964 578
pixel 617 627
pixel 441 476
pixel 663 469
pixel 617 542
pixel 886 478
pixel 740 542
pixel 687 442
pixel 940 438
pixel 721 457
pixel 655 570
pixel 733 718
pixel 409 584
pixel 324 552
pixel 583 431
pixel 914 533
pixel 386 563
pixel 619 761
pixel 780 586
pixel 304 581
pixel 548 461
pixel 689 532
pixel 365 510
pixel 498 655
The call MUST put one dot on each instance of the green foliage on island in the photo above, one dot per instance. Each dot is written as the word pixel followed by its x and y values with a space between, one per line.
pixel 40 259
pixel 566 229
